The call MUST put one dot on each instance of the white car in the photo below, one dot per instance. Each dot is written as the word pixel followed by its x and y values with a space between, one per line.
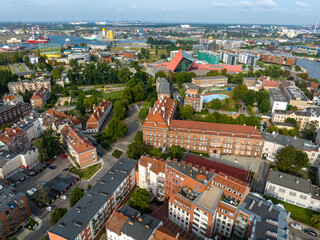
pixel 64 197
pixel 34 190
pixel 49 209
pixel 296 226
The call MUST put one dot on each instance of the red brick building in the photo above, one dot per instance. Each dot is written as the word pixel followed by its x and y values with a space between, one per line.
pixel 128 54
pixel 83 152
pixel 40 98
pixel 161 130
pixel 13 113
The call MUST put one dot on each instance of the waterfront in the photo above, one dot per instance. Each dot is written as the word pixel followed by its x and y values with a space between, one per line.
pixel 73 41
pixel 312 67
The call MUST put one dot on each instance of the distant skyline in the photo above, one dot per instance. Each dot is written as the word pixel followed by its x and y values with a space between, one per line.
pixel 289 12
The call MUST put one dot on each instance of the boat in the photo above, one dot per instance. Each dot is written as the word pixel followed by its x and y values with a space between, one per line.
pixel 92 37
pixel 44 37
pixel 32 39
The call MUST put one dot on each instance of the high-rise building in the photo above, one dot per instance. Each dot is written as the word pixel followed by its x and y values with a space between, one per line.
pixel 209 56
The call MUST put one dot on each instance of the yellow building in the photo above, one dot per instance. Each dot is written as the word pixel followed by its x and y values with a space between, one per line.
pixel 110 34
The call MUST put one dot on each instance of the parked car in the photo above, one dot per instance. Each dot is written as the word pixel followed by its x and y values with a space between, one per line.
pixel 296 226
pixel 64 156
pixel 49 209
pixel 52 167
pixel 65 169
pixel 64 197
pixel 40 204
pixel 34 190
pixel 310 232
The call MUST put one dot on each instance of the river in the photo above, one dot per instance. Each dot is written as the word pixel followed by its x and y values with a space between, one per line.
pixel 312 67
pixel 73 41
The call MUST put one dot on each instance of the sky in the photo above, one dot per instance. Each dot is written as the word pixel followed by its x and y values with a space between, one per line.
pixel 300 12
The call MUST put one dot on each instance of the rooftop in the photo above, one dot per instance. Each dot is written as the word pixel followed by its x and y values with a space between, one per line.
pixel 209 78
pixel 277 95
pixel 289 181
pixel 295 94
pixel 298 113
pixel 9 197
pixel 72 224
pixel 210 198
pixel 163 86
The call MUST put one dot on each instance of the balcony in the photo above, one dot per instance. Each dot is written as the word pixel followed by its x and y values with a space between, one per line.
pixel 188 193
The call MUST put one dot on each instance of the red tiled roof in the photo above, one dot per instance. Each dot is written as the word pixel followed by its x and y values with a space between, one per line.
pixel 218 167
pixel 40 93
pixel 78 143
pixel 157 164
pixel 116 222
pixel 270 83
pixel 216 129
pixel 230 68
pixel 175 61
pixel 61 115
pixel 10 133
pixel 8 97
pixel 163 233
pixel 226 181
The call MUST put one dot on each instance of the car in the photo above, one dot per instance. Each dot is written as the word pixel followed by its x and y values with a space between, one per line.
pixel 30 193
pixel 310 232
pixel 34 190
pixel 52 167
pixel 49 209
pixel 64 156
pixel 64 197
pixel 40 204
pixel 296 226
pixel 65 169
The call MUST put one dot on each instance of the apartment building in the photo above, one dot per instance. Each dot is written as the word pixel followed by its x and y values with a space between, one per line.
pixel 268 83
pixel 83 152
pixel 303 117
pixel 195 101
pixel 260 219
pixel 14 140
pixel 98 116
pixel 248 59
pixel 295 97
pixel 152 175
pixel 213 81
pixel 128 224
pixel 163 88
pixel 191 88
pixel 31 86
pixel 252 83
pixel 14 210
pixel 32 125
pixel 161 130
pixel 283 59
pixel 273 142
pixel 87 218
pixel 278 101
pixel 13 113
pixel 40 98
pixel 293 189
pixel 209 56
pixel 52 115
pixel 12 99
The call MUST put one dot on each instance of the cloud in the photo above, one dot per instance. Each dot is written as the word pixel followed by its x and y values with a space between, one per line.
pixel 266 3
pixel 301 4
pixel 220 5
pixel 133 7
pixel 245 4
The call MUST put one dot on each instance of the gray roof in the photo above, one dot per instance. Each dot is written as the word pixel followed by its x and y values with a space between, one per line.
pixel 283 140
pixel 4 108
pixel 277 95
pixel 298 113
pixel 71 225
pixel 136 230
pixel 260 210
pixel 163 86
pixel 315 192
pixel 8 196
pixel 295 93
pixel 289 181
pixel 190 171
pixel 187 56
pixel 191 86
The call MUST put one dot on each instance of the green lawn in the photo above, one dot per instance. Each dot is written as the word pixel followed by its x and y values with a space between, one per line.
pixel 21 68
pixel 117 153
pixel 86 173
pixel 12 69
pixel 299 214
pixel 115 95
pixel 6 67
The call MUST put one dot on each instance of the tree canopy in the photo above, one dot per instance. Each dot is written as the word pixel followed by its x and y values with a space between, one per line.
pixel 115 129
pixel 140 200
pixel 186 112
pixel 56 215
pixel 290 158
pixel 75 195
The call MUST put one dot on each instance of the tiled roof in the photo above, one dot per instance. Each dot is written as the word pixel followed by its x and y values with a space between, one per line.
pixel 8 97
pixel 157 164
pixel 10 133
pixel 98 111
pixel 61 115
pixel 116 222
pixel 78 143
pixel 229 182
pixel 163 233
pixel 40 93
pixel 269 83
pixel 215 129
pixel 178 58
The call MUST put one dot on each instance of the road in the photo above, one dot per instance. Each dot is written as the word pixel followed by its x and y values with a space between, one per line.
pixel 295 234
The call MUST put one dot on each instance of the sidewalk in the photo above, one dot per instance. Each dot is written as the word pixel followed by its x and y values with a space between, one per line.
pixel 24 234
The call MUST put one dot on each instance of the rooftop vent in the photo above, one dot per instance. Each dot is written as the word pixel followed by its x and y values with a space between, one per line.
pixel 252 204
pixel 297 181
pixel 78 224
pixel 270 208
pixel 62 224
pixel 280 176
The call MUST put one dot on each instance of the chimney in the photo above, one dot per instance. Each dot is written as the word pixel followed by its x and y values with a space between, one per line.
pixel 252 204
pixel 270 208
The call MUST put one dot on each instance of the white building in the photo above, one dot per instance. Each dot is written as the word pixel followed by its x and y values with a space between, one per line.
pixel 278 100
pixel 80 57
pixel 33 59
pixel 292 189
pixel 99 115
pixel 152 175
pixel 32 126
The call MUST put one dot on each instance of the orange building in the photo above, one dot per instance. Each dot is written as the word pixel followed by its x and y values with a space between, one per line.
pixel 31 86
pixel 281 59
pixel 80 148
pixel 40 98
pixel 98 116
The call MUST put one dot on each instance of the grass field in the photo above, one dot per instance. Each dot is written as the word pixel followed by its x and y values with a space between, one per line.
pixel 117 153
pixel 115 95
pixel 297 213
pixel 86 173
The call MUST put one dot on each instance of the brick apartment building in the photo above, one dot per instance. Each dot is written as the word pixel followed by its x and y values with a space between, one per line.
pixel 84 153
pixel 12 99
pixel 128 54
pixel 195 101
pixel 14 140
pixel 161 130
pixel 281 59
pixel 98 116
pixel 87 218
pixel 13 113
pixel 32 86
pixel 40 98
pixel 55 115
pixel 14 210
pixel 214 81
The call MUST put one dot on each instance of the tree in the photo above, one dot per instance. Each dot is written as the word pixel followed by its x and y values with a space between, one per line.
pixel 143 113
pixel 161 74
pixel 5 125
pixel 292 108
pixel 80 103
pixel 175 152
pixel 292 121
pixel 115 129
pixel 48 144
pixel 56 73
pixel 212 73
pixel 215 104
pixel 139 91
pixel 315 218
pixel 42 194
pixel 56 215
pixel 224 72
pixel 265 106
pixel 290 158
pixel 26 95
pixel 239 92
pixel 186 112
pixel 120 109
pixel 298 68
pixel 249 97
pixel 310 128
pixel 135 150
pixel 140 200
pixel 75 195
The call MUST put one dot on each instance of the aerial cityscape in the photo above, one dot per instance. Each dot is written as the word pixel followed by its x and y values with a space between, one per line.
pixel 160 120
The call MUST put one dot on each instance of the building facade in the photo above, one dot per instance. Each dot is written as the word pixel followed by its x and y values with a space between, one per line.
pixel 282 59
pixel 13 113
pixel 209 56
pixel 87 218
pixel 295 97
pixel 214 81
pixel 278 101
pixel 31 86
pixel 195 101
pixel 40 98
pixel 14 140
pixel 98 116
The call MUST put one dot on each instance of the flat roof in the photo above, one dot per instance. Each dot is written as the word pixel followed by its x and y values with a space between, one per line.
pixel 210 198
pixel 212 77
